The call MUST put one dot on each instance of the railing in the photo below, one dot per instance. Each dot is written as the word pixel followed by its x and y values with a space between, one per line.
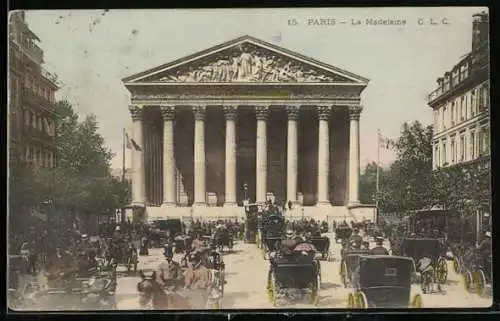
pixel 32 50
pixel 435 94
pixel 33 96
pixel 38 133
pixel 50 76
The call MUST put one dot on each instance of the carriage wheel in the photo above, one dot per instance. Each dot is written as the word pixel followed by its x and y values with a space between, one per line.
pixel 351 304
pixel 361 301
pixel 315 286
pixel 467 277
pixel 343 273
pixel 417 302
pixel 217 304
pixel 269 287
pixel 479 282
pixel 272 291
pixel 442 270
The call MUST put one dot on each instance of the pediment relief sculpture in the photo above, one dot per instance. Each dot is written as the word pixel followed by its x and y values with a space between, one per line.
pixel 248 63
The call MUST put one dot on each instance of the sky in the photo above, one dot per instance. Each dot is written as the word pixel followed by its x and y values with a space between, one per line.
pixel 92 50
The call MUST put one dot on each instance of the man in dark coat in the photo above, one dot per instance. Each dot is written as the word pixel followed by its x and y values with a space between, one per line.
pixel 379 249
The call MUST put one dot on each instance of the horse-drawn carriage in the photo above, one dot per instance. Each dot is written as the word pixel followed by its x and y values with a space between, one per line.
pixel 294 267
pixel 382 281
pixel 420 248
pixel 223 237
pixel 182 243
pixel 251 223
pixel 477 272
pixel 322 245
pixel 348 262
pixel 273 230
pixel 342 232
pixel 75 293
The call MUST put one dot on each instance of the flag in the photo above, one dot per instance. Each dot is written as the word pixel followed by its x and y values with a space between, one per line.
pixel 131 143
pixel 384 142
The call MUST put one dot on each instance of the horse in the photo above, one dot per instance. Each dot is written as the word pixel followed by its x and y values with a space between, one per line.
pixel 155 297
pixel 223 238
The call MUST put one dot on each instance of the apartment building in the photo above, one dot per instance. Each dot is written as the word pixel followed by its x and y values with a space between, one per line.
pixel 461 104
pixel 32 98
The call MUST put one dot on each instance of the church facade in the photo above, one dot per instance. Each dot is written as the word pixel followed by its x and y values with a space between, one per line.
pixel 245 120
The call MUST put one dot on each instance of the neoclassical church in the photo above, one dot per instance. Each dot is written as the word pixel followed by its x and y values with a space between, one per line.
pixel 246 120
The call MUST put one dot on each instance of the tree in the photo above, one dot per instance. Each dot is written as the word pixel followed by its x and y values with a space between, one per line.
pixel 405 185
pixel 368 183
pixel 463 187
pixel 81 184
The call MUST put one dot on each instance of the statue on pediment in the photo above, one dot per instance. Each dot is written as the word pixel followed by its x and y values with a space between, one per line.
pixel 247 64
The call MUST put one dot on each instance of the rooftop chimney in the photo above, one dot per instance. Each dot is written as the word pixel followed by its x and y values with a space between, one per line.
pixel 480 22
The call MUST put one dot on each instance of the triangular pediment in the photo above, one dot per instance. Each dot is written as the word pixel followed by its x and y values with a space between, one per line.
pixel 246 60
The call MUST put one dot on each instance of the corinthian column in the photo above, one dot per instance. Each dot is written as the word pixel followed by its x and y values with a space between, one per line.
pixel 354 114
pixel 199 156
pixel 261 113
pixel 291 158
pixel 168 113
pixel 138 179
pixel 230 113
pixel 323 155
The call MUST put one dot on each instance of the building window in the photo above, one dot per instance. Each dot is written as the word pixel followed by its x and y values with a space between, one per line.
pixel 462 108
pixel 483 99
pixel 481 141
pixel 453 152
pixel 473 104
pixel 444 153
pixel 452 114
pixel 27 121
pixel 486 137
pixel 444 118
pixel 462 148
pixel 33 120
pixel 40 124
pixel 472 145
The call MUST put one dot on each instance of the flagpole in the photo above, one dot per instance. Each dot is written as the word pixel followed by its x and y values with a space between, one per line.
pixel 378 172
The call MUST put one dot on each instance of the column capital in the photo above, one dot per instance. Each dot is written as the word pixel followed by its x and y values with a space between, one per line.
pixel 167 112
pixel 230 112
pixel 261 112
pixel 355 112
pixel 135 112
pixel 199 112
pixel 292 112
pixel 324 112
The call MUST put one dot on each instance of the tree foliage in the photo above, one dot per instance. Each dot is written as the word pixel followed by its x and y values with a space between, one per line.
pixel 410 182
pixel 81 183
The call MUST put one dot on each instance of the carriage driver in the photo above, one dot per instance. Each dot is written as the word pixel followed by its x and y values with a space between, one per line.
pixel 379 249
pixel 197 245
pixel 169 272
pixel 355 237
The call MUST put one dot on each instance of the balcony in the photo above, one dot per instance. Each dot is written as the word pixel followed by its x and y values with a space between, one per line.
pixel 32 50
pixel 39 135
pixel 49 76
pixel 30 96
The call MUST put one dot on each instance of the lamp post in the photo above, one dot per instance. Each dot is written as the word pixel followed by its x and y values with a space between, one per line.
pixel 245 188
